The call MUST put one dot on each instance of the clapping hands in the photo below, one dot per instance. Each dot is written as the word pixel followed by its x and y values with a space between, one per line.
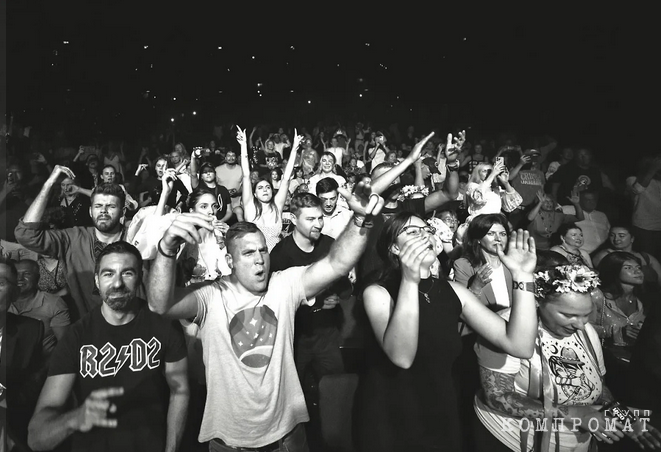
pixel 521 254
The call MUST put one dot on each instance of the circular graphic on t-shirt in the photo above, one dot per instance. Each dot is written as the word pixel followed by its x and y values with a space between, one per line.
pixel 253 335
pixel 583 180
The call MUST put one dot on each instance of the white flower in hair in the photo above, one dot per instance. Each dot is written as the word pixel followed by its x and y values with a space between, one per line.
pixel 565 279
pixel 408 191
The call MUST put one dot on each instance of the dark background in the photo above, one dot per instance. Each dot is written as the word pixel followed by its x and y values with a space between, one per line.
pixel 583 77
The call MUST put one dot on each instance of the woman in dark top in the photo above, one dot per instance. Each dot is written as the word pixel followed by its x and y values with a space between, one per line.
pixel 150 194
pixel 406 398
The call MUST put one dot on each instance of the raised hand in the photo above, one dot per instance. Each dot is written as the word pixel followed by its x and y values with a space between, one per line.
pixel 167 181
pixel 61 170
pixel 416 152
pixel 184 228
pixel 541 196
pixel 411 255
pixel 504 176
pixel 298 139
pixel 459 140
pixel 525 159
pixel 482 276
pixel 499 167
pixel 94 412
pixel 241 137
pixel 574 197
pixel 521 254
pixel 362 200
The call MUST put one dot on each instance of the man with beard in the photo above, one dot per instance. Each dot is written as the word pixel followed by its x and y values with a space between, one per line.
pixel 230 175
pixel 78 247
pixel 246 320
pixel 126 365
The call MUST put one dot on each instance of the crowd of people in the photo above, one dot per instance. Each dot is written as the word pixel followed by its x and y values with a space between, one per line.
pixel 193 298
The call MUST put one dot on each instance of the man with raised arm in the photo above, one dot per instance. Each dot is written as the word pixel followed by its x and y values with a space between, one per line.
pixel 247 326
pixel 126 366
pixel 78 247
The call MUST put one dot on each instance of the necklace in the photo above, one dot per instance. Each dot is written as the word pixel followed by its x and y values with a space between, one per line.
pixel 426 294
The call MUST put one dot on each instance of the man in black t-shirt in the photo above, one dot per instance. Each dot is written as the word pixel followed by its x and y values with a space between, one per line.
pixel 317 340
pixel 126 365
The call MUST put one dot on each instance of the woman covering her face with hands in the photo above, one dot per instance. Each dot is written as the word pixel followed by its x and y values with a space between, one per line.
pixel 406 399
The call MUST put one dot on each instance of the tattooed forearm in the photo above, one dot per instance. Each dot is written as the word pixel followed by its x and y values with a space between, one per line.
pixel 501 396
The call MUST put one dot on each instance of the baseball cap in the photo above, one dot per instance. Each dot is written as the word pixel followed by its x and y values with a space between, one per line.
pixel 206 167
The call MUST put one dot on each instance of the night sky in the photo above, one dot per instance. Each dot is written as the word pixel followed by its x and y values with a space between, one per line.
pixel 581 78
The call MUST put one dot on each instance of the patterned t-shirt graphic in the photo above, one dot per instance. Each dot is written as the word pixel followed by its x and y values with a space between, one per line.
pixel 253 333
pixel 576 377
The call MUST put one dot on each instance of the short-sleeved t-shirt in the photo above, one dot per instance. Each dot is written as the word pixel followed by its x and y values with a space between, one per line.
pixel 254 396
pixel 572 369
pixel 132 356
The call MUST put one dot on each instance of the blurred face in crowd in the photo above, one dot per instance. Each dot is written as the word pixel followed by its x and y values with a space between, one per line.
pixel 106 212
pixel 329 201
pixel 573 238
pixel 14 174
pixel 66 185
pixel 206 204
pixel 584 157
pixel 392 157
pixel 310 222
pixel 327 163
pixel 28 278
pixel 264 191
pixel 620 239
pixel 564 314
pixel 333 142
pixel 496 236
pixel 160 167
pixel 450 219
pixel 275 176
pixel 254 177
pixel 212 145
pixel 175 156
pixel 477 149
pixel 108 175
pixel 589 201
pixel 92 162
pixel 283 137
pixel 270 145
pixel 230 158
pixel 548 204
pixel 208 175
pixel 118 280
pixel 8 288
pixel 567 154
pixel 485 171
pixel 631 273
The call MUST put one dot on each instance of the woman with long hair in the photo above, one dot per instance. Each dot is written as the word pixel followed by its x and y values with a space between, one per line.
pixel 260 205
pixel 205 261
pixel 567 240
pixel 407 399
pixel 621 238
pixel 480 268
pixel 326 168
pixel 484 193
pixel 621 307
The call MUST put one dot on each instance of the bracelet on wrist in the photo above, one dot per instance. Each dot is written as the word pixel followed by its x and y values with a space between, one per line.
pixel 525 286
pixel 163 253
pixel 362 222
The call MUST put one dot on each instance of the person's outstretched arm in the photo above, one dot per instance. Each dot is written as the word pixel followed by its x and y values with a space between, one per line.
pixel 281 196
pixel 246 186
pixel 350 245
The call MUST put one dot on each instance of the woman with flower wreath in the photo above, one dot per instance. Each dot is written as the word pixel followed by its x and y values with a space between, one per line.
pixel 552 401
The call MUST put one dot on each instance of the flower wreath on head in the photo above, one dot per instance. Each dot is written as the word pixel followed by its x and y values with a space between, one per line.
pixel 408 191
pixel 565 279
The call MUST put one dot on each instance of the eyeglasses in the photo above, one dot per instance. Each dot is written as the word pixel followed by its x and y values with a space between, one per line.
pixel 415 231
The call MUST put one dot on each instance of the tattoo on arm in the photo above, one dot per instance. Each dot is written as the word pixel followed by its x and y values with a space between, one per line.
pixel 501 396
